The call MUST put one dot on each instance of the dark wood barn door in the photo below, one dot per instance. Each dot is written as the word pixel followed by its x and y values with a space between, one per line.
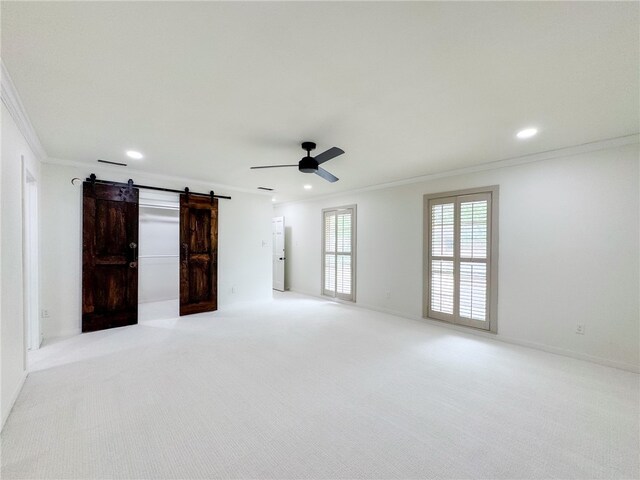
pixel 198 254
pixel 109 257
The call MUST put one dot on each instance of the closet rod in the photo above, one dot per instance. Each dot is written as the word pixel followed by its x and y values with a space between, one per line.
pixel 93 179
pixel 161 207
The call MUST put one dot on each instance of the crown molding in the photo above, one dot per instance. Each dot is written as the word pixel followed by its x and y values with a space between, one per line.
pixel 11 100
pixel 122 172
pixel 507 162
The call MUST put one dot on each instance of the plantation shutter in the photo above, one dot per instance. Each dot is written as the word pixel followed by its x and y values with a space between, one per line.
pixel 474 238
pixel 338 250
pixel 442 258
pixel 458 263
pixel 330 253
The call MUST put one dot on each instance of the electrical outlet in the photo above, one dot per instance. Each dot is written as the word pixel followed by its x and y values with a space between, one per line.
pixel 45 313
pixel 580 328
pixel 233 289
pixel 388 294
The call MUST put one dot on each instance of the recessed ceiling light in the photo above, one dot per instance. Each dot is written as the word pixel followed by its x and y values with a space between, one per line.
pixel 273 199
pixel 307 187
pixel 135 155
pixel 527 133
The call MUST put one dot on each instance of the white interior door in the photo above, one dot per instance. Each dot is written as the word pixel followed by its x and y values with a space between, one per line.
pixel 277 225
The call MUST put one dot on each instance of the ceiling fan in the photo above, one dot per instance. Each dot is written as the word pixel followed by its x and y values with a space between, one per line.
pixel 311 164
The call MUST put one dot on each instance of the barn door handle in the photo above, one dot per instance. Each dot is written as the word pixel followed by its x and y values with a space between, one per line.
pixel 134 255
pixel 185 251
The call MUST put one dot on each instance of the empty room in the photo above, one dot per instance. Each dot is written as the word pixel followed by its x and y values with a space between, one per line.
pixel 320 240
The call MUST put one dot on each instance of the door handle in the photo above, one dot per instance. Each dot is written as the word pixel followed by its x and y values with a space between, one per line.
pixel 134 255
pixel 184 251
pixel 282 258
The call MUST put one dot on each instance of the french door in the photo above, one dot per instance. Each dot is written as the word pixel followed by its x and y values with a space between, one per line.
pixel 338 252
pixel 461 257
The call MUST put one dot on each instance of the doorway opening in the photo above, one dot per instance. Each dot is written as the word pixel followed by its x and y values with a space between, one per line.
pixel 30 259
pixel 159 256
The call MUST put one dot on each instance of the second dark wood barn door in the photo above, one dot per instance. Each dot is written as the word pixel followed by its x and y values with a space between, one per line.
pixel 198 254
pixel 109 256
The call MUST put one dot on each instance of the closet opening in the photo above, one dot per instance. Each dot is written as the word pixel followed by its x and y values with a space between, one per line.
pixel 159 256
pixel 147 254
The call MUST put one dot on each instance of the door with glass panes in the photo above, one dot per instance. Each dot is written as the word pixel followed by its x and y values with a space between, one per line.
pixel 459 258
pixel 338 252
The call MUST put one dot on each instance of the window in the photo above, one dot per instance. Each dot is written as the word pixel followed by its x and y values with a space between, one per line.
pixel 338 252
pixel 461 257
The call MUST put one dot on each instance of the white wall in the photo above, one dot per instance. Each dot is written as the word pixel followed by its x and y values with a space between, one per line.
pixel 569 246
pixel 12 324
pixel 243 261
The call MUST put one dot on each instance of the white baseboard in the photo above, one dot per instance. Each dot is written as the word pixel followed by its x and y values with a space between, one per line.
pixel 13 398
pixel 491 336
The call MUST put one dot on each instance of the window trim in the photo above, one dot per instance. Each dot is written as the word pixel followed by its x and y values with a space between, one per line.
pixel 492 257
pixel 354 230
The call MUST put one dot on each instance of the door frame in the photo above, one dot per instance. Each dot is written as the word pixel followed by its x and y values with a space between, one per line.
pixel 149 199
pixel 30 258
pixel 354 247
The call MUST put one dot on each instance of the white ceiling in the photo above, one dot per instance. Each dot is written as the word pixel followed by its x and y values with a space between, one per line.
pixel 206 90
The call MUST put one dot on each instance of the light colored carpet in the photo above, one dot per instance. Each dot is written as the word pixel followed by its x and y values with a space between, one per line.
pixel 303 388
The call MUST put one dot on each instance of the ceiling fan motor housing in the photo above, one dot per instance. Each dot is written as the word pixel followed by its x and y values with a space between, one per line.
pixel 308 165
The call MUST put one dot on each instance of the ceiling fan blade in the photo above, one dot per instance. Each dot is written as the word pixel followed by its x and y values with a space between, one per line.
pixel 326 175
pixel 274 166
pixel 328 155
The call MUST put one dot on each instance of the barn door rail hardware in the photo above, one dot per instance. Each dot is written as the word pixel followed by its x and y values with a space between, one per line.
pixel 93 179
